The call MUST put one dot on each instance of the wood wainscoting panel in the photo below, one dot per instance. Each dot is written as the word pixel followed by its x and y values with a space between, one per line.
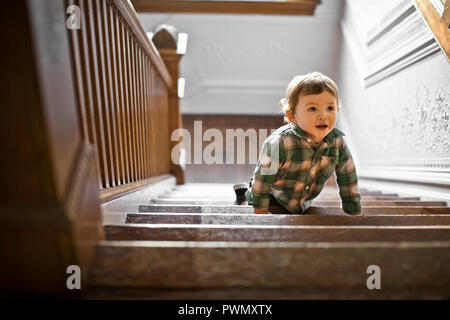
pixel 50 214
pixel 226 173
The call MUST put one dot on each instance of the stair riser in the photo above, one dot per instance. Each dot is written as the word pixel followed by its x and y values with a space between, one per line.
pixel 312 210
pixel 321 197
pixel 302 266
pixel 278 293
pixel 367 203
pixel 228 219
pixel 271 233
pixel 207 192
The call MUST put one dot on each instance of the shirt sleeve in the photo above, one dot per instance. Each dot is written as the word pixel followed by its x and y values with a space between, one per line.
pixel 270 160
pixel 347 181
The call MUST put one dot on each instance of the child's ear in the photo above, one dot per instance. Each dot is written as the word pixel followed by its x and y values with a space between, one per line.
pixel 290 115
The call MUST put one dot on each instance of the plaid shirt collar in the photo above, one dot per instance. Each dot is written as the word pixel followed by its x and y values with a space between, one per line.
pixel 329 137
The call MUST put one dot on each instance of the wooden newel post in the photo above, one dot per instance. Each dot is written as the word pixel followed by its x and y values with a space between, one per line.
pixel 165 39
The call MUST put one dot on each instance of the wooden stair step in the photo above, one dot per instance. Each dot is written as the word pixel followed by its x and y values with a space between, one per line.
pixel 187 201
pixel 271 219
pixel 196 232
pixel 195 208
pixel 297 269
pixel 230 193
pixel 265 293
pixel 374 203
pixel 381 197
pixel 197 197
pixel 199 186
pixel 233 209
pixel 182 201
pixel 320 197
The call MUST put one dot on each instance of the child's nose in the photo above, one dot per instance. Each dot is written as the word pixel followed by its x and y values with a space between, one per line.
pixel 322 115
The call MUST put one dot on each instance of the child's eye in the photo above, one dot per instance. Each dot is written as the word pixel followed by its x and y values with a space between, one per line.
pixel 330 108
pixel 312 109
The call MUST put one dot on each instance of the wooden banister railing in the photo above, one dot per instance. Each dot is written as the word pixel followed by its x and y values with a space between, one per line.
pixel 122 88
pixel 280 7
pixel 437 21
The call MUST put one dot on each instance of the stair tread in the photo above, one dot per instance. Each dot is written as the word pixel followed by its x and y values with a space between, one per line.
pixel 186 201
pixel 232 209
pixel 201 218
pixel 308 266
pixel 210 232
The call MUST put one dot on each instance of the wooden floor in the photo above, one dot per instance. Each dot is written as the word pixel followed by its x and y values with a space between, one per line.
pixel 193 243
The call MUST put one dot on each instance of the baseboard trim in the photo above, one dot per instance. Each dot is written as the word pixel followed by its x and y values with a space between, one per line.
pixel 426 192
pixel 438 178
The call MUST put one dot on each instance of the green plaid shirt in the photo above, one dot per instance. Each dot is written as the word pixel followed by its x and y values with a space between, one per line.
pixel 303 168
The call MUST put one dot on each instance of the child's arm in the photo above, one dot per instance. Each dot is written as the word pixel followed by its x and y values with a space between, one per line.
pixel 348 182
pixel 265 172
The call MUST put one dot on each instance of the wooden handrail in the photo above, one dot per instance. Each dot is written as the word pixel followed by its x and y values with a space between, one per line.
pixel 122 86
pixel 284 7
pixel 438 26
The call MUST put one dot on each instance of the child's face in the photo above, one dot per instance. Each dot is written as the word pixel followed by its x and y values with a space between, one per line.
pixel 314 110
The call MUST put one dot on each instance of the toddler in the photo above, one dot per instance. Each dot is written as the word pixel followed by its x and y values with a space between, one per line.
pixel 298 158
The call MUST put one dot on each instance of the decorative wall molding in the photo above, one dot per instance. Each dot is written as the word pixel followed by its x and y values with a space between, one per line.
pixel 405 189
pixel 399 40
pixel 238 86
pixel 393 18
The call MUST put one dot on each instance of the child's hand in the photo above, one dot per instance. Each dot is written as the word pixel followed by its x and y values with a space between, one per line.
pixel 260 211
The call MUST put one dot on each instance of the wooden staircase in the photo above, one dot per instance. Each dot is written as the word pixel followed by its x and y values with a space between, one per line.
pixel 101 104
pixel 193 243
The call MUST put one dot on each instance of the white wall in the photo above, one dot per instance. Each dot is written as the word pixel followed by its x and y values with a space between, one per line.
pixel 241 64
pixel 399 127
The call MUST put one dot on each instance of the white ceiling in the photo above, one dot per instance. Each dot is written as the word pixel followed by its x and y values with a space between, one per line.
pixel 241 64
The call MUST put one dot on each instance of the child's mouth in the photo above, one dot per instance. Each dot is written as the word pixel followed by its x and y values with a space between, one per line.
pixel 322 127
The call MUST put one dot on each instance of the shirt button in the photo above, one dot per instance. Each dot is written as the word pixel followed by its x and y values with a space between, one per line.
pixel 307 188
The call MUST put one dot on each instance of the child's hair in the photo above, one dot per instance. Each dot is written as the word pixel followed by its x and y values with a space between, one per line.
pixel 311 83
